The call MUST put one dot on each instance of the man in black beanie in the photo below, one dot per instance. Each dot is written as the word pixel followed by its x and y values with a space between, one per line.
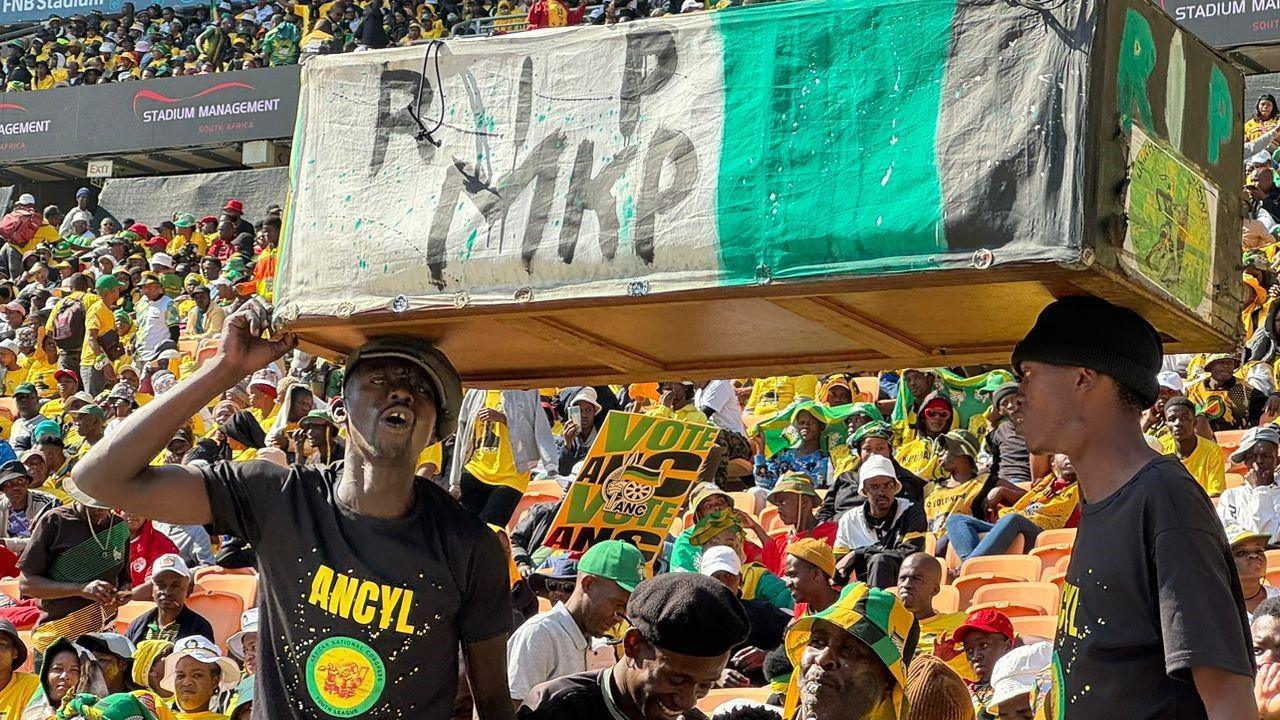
pixel 1142 631
pixel 683 626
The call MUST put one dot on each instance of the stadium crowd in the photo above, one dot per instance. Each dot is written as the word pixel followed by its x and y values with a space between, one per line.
pixel 168 41
pixel 857 546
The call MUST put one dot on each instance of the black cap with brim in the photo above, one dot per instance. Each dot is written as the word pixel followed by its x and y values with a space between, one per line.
pixel 689 614
pixel 433 362
pixel 19 647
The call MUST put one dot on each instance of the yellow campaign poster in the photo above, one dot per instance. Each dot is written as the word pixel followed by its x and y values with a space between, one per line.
pixel 632 484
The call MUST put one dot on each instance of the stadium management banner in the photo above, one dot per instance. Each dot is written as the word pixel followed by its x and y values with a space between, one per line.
pixel 149 115
pixel 1227 23
pixel 765 143
pixel 33 11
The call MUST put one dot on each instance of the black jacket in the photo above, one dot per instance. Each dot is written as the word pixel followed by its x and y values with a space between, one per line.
pixel 531 530
pixel 189 623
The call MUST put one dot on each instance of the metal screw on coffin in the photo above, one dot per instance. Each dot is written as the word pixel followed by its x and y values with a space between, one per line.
pixel 462 299
pixel 638 288
pixel 345 309
pixel 764 274
pixel 524 294
pixel 400 304
pixel 982 258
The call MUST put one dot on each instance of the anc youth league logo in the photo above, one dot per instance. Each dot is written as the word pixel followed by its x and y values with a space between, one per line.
pixel 345 677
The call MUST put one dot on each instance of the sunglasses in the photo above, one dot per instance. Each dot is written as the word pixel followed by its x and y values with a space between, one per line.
pixel 936 414
pixel 562 586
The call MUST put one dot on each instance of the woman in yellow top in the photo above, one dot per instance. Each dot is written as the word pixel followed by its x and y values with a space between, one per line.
pixel 195 673
pixel 16 688
pixel 1264 118
pixel 921 455
pixel 1052 503
pixel 262 400
pixel 1200 456
pixel 962 491
pixel 148 671
pixel 676 402
pixel 771 394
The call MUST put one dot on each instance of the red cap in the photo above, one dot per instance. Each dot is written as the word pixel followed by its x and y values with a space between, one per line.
pixel 987 621
pixel 208 218
pixel 157 240
pixel 140 230
pixel 60 374
pixel 234 206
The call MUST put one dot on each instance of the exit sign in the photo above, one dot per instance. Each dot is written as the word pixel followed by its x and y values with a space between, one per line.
pixel 99 169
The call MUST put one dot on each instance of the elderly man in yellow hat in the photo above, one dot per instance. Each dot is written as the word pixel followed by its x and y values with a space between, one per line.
pixel 851 659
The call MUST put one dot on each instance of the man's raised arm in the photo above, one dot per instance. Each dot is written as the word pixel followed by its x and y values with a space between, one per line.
pixel 118 472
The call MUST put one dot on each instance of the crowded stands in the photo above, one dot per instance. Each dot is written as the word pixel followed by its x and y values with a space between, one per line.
pixel 896 519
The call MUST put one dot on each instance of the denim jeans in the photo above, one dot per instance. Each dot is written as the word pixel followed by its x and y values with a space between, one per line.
pixel 963 532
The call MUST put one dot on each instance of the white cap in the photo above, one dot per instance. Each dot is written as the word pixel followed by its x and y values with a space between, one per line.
pixel 720 558
pixel 248 626
pixel 202 649
pixel 587 395
pixel 1261 158
pixel 219 282
pixel 876 466
pixel 1015 673
pixel 11 346
pixel 169 562
pixel 26 199
pixel 162 259
pixel 1170 379
pixel 117 644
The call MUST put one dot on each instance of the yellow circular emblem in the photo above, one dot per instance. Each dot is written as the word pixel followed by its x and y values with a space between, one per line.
pixel 345 677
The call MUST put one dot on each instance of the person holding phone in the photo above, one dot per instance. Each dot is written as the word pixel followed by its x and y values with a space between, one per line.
pixel 579 431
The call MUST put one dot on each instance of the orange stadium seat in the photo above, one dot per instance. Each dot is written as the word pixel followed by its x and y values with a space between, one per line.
pixel 868 389
pixel 30 664
pixel 1054 544
pixel 130 611
pixel 947 600
pixel 771 523
pixel 953 560
pixel 208 350
pixel 1043 626
pixel 1234 480
pixel 1273 560
pixel 992 569
pixel 221 609
pixel 9 586
pixel 718 697
pixel 538 492
pixel 1229 438
pixel 246 586
pixel 1055 576
pixel 1017 599
pixel 215 570
pixel 748 501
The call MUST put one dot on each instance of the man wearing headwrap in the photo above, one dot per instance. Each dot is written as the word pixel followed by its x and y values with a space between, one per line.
pixel 850 659
pixel 724 528
pixel 683 626
pixel 430 597
pixel 1255 505
pixel 873 540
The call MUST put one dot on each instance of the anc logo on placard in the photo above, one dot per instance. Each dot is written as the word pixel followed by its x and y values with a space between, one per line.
pixel 1214 408
pixel 345 677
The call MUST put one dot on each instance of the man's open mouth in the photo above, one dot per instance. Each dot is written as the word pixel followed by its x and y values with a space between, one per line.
pixel 399 418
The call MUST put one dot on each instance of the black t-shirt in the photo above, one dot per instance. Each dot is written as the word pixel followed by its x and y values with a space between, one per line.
pixel 1151 592
pixel 360 616
pixel 579 697
pixel 1010 459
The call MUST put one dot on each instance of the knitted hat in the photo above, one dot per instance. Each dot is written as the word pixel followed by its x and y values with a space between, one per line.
pixel 689 614
pixel 935 692
pixel 816 553
pixel 1091 332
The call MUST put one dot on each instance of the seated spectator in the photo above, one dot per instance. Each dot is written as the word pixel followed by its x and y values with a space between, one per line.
pixel 171 618
pixel 872 438
pixel 1265 629
pixel 580 430
pixel 194 673
pixel 1051 503
pixel 919 582
pixel 16 688
pixel 920 456
pixel 556 580
pixel 1225 400
pixel 844 457
pixel 1249 550
pixel 27 400
pixel 845 669
pixel 321 439
pixel 796 501
pixel 206 318
pixel 985 637
pixel 960 490
pixel 557 642
pixel 20 505
pixel 243 645
pixel 772 394
pixel 675 400
pixel 765 622
pixel 935 692
pixel 808 572
pixel 114 653
pixel 1010 462
pixel 682 625
pixel 529 533
pixel 872 541
pixel 68 671
pixel 724 528
pixel 146 545
pixel 148 671
pixel 806 456
pixel 1014 681
pixel 704 501
pixel 1202 457
pixel 241 705
pixel 1255 505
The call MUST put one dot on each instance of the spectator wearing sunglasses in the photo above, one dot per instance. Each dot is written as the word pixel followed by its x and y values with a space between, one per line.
pixel 921 455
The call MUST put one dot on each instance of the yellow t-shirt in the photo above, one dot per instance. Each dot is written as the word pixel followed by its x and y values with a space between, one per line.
pixel 689 413
pixel 54 409
pixel 14 378
pixel 769 395
pixel 492 461
pixel 97 317
pixel 40 374
pixel 179 715
pixel 264 419
pixel 15 696
pixel 937 626
pixel 45 234
pixel 944 502
pixel 920 457
pixel 432 454
pixel 178 242
pixel 1205 464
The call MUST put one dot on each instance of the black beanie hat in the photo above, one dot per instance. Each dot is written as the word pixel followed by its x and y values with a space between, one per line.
pixel 688 613
pixel 1091 332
